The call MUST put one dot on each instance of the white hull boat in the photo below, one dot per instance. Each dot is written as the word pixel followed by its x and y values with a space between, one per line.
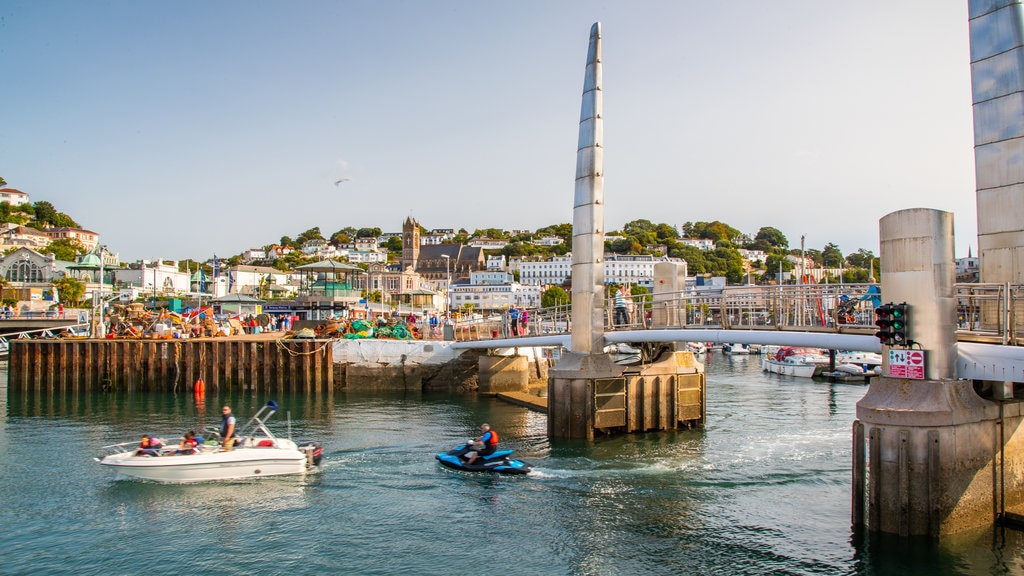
pixel 800 362
pixel 258 453
pixel 733 348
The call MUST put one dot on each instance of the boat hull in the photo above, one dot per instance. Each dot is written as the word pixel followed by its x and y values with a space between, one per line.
pixel 209 466
pixel 801 370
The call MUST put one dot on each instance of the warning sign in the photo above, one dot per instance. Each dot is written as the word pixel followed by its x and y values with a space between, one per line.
pixel 906 364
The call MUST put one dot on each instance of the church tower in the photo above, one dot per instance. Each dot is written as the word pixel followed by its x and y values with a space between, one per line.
pixel 410 243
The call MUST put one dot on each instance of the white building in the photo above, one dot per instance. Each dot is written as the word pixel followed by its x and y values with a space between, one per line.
pixel 153 276
pixel 542 273
pixel 13 196
pixel 496 262
pixel 706 244
pixel 493 297
pixel 618 269
pixel 356 256
pixel 253 254
pixel 549 241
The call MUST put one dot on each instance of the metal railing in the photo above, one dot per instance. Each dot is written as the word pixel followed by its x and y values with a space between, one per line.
pixel 992 313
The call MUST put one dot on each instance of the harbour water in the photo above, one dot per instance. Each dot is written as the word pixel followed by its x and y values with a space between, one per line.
pixel 763 489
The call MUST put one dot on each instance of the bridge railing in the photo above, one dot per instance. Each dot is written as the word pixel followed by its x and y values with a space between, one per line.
pixel 990 312
pixel 985 312
pixel 808 306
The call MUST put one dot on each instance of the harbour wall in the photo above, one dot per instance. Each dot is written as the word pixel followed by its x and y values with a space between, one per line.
pixel 253 363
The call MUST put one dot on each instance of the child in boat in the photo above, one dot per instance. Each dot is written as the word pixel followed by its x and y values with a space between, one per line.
pixel 149 446
pixel 189 444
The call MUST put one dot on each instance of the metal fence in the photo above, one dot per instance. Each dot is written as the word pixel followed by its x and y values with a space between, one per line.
pixel 985 312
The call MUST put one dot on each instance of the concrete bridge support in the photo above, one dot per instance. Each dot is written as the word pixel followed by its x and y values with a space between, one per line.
pixel 930 456
pixel 589 394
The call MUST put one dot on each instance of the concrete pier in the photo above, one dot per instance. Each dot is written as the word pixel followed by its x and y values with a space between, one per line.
pixel 930 456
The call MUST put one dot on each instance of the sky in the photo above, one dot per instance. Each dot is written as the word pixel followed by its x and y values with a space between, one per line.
pixel 187 129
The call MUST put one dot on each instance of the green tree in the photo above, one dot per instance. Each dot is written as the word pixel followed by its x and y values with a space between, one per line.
pixel 66 249
pixel 2 181
pixel 712 230
pixel 69 289
pixel 861 259
pixel 831 257
pixel 394 245
pixel 772 237
pixel 287 241
pixel 311 234
pixel 554 296
pixel 368 233
pixel 45 212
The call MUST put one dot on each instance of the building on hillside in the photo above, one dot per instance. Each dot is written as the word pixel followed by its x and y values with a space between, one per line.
pixel 276 252
pixel 634 269
pixel 968 269
pixel 488 243
pixel 482 295
pixel 14 236
pixel 87 238
pixel 496 262
pixel 432 239
pixel 436 264
pixel 366 244
pixel 553 271
pixel 13 196
pixel 705 244
pixel 30 277
pixel 254 255
pixel 548 241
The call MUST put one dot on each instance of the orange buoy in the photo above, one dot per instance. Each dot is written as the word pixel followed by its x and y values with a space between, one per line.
pixel 199 388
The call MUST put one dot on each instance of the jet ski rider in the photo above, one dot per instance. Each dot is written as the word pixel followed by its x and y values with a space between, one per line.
pixel 484 444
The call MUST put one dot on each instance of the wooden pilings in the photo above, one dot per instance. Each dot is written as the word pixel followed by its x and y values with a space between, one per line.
pixel 61 366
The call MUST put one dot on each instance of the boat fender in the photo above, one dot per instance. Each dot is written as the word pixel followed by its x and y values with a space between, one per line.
pixel 199 388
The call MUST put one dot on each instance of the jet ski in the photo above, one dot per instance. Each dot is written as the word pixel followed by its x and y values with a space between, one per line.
pixel 500 461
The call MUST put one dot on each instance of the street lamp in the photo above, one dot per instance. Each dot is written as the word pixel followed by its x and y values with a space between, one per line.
pixel 101 328
pixel 448 287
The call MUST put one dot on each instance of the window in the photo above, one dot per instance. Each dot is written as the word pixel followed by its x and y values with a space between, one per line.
pixel 25 271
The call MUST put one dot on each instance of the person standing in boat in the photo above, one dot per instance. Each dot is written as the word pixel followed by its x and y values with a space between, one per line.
pixel 484 444
pixel 227 428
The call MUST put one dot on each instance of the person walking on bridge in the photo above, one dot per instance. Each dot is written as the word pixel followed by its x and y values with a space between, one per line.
pixel 621 306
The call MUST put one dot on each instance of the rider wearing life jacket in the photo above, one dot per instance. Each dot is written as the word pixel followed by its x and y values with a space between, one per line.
pixel 484 444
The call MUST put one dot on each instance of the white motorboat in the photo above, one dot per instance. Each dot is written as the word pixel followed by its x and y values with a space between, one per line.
pixel 257 453
pixel 867 361
pixel 795 361
pixel 734 348
pixel 623 354
pixel 696 347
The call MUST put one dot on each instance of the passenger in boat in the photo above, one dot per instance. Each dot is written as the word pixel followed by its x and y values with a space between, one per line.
pixel 227 428
pixel 484 444
pixel 189 444
pixel 149 446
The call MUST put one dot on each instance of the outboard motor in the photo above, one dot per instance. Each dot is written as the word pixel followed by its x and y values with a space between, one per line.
pixel 313 451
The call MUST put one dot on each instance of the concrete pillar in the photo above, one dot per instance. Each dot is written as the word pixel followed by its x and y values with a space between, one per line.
pixel 930 456
pixel 917 268
pixel 504 374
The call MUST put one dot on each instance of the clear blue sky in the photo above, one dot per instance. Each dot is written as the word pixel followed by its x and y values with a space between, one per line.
pixel 183 129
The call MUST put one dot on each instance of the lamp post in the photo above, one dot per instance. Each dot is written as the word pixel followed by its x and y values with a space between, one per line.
pixel 101 328
pixel 448 286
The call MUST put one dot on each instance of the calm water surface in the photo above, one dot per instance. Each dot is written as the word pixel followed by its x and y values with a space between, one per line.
pixel 763 489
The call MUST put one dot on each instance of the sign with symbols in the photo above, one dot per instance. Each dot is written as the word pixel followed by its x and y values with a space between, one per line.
pixel 906 364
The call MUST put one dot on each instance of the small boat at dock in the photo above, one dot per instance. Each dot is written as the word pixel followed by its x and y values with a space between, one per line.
pixel 796 361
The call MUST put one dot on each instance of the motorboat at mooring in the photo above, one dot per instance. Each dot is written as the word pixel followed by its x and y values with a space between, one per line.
pixel 256 453
pixel 500 461
pixel 796 361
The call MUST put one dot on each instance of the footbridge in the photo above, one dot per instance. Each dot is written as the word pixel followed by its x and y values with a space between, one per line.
pixel 834 317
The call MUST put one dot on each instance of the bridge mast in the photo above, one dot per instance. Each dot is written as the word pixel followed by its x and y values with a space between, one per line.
pixel 588 212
